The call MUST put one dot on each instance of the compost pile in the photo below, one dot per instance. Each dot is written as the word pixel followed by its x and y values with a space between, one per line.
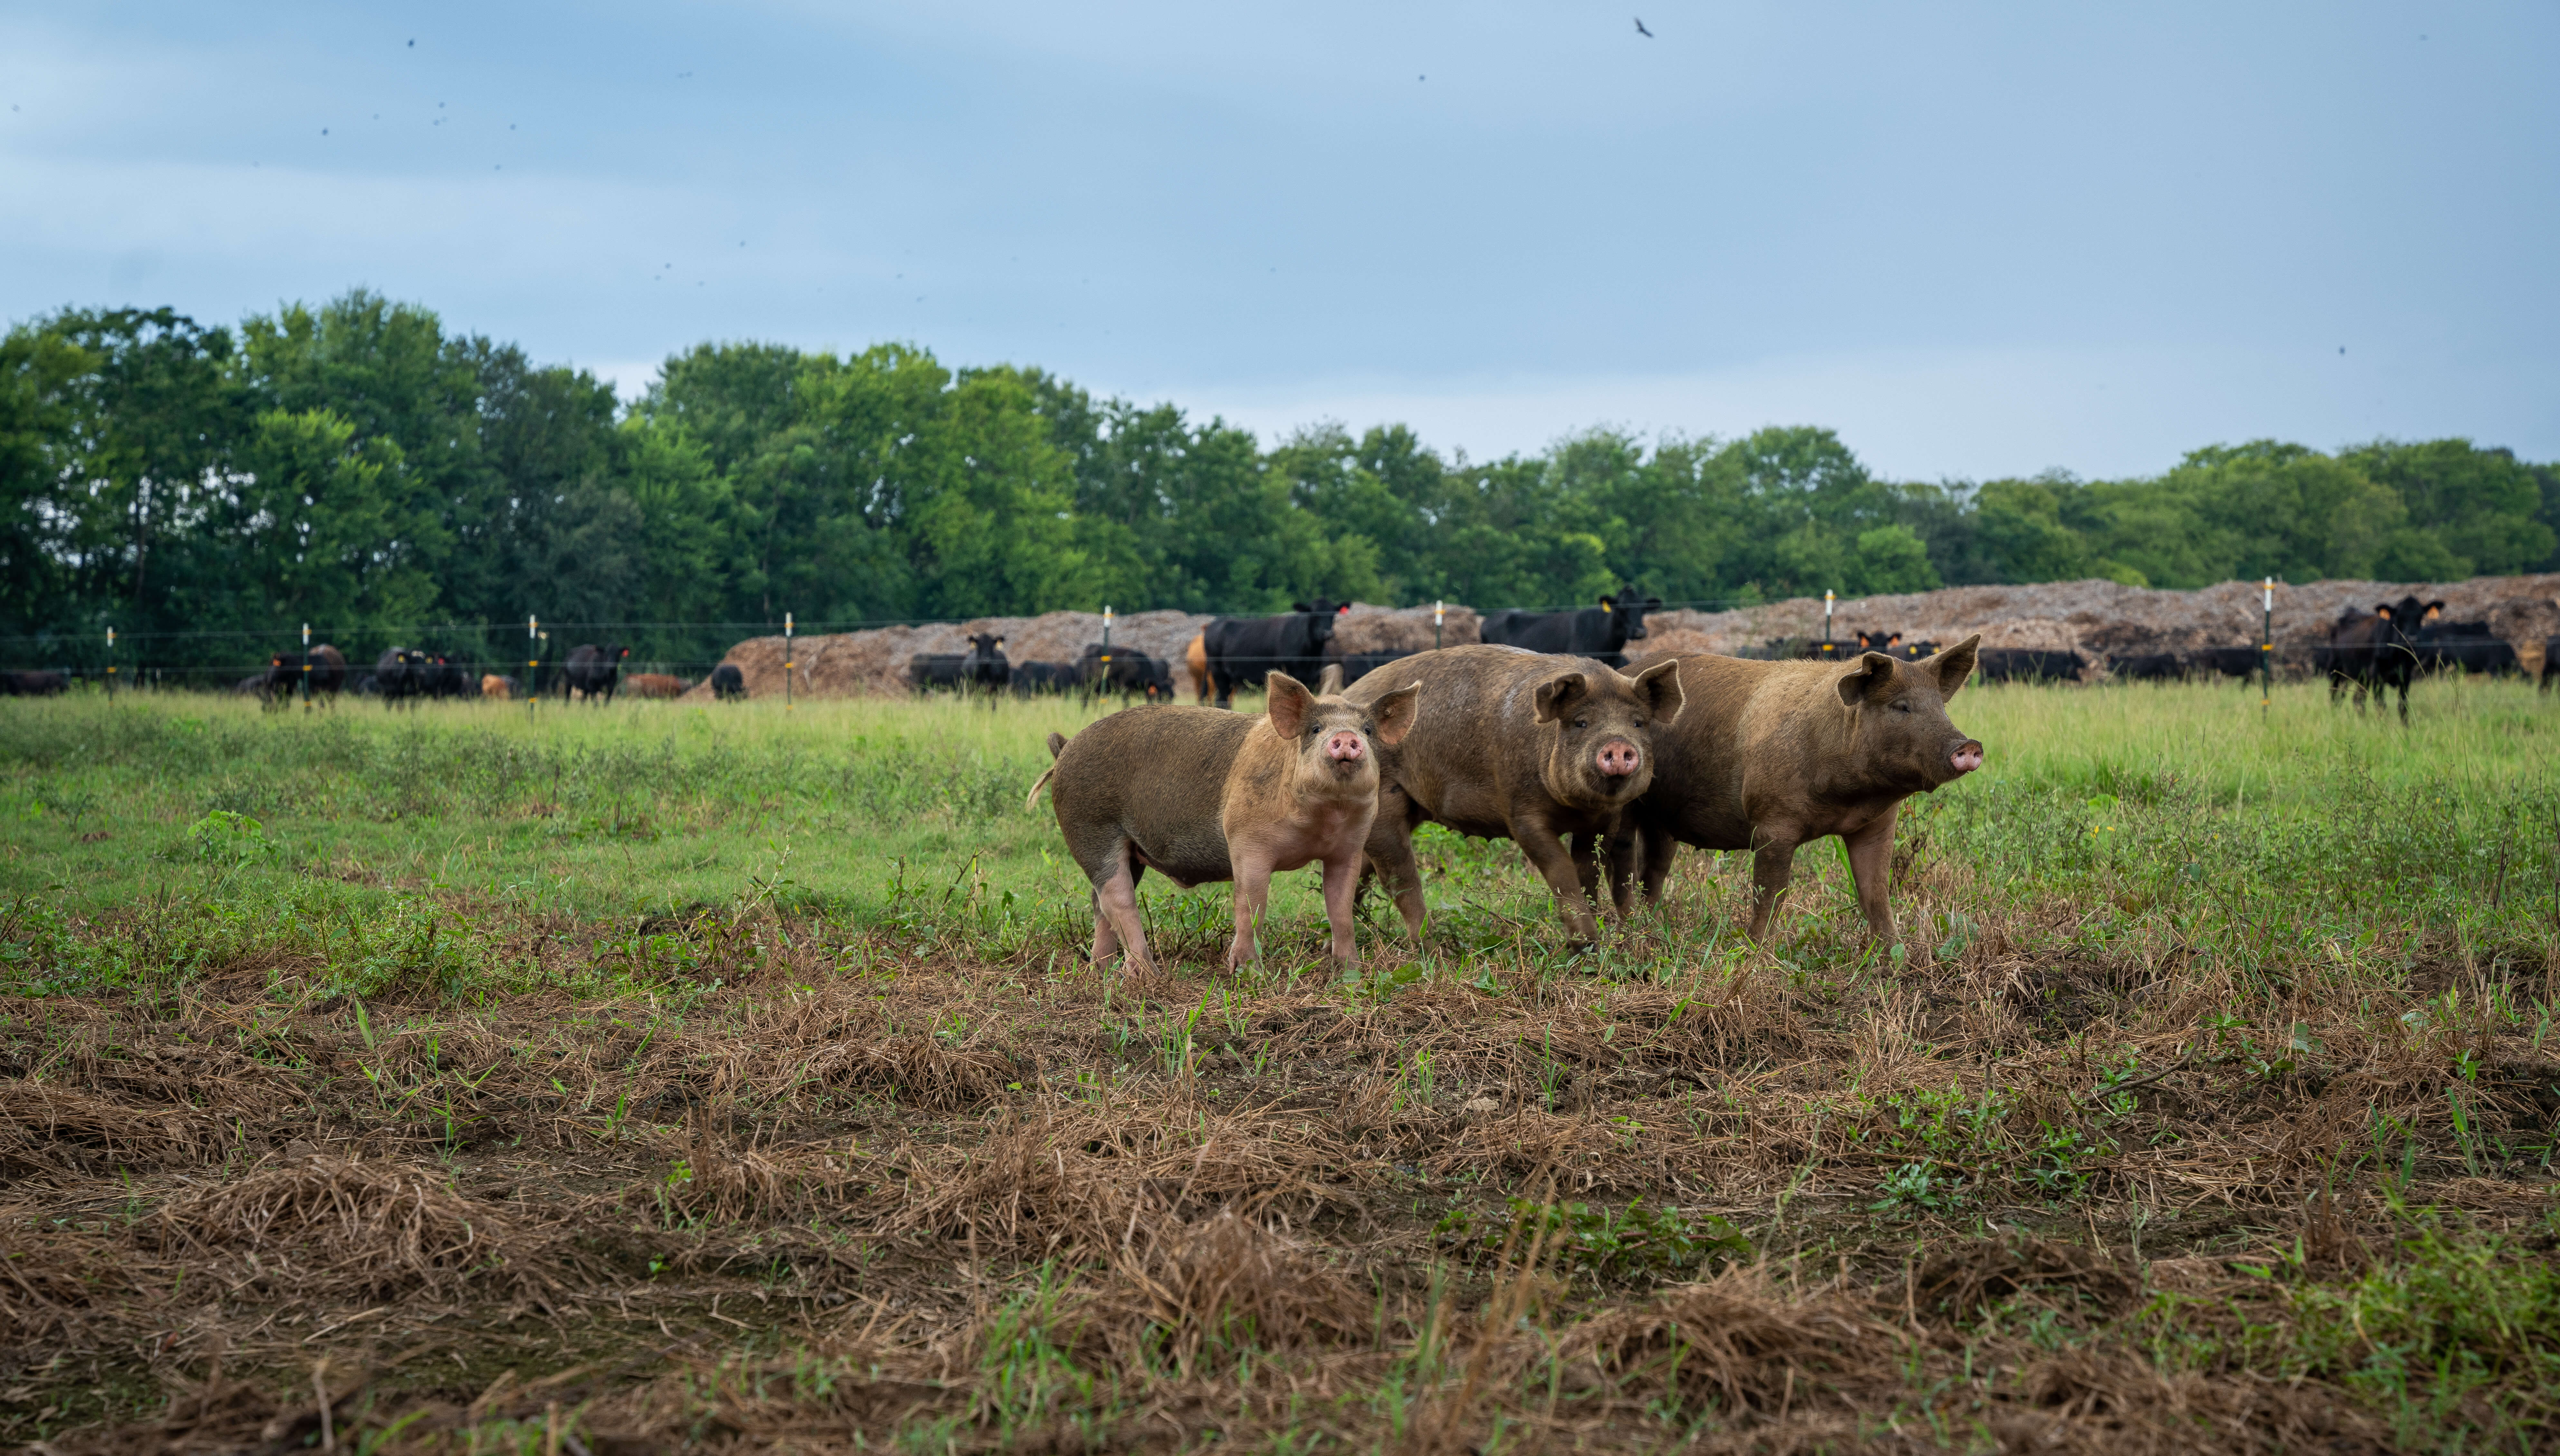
pixel 2099 619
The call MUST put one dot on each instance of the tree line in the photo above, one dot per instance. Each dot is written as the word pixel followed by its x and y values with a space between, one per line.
pixel 359 466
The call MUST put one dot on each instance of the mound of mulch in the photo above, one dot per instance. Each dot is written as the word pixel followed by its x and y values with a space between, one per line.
pixel 875 662
pixel 2099 619
pixel 2102 618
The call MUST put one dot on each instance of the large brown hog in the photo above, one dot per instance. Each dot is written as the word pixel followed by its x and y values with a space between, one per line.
pixel 1768 756
pixel 1200 794
pixel 1546 752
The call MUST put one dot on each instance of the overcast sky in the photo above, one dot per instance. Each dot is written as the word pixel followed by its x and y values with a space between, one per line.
pixel 1978 240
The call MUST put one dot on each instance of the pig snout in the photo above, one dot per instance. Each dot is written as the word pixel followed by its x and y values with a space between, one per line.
pixel 1966 757
pixel 1346 746
pixel 1618 758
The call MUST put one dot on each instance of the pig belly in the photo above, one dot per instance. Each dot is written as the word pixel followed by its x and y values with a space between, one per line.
pixel 1185 859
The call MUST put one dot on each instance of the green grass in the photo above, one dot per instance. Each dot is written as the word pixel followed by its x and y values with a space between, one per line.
pixel 2184 805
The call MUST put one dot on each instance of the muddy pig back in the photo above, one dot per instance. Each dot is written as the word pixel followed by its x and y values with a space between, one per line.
pixel 1152 779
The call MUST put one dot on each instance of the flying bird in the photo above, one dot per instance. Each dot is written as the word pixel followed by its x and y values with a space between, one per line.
pixel 1640 28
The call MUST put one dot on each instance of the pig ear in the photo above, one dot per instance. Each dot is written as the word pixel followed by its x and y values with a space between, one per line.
pixel 1290 701
pixel 1873 674
pixel 1661 686
pixel 1557 694
pixel 1329 683
pixel 1956 665
pixel 1396 712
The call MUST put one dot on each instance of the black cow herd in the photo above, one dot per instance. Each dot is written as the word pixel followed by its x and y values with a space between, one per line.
pixel 985 671
pixel 412 675
pixel 2370 653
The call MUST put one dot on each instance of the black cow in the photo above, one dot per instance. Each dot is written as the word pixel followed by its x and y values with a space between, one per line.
pixel 328 672
pixel 2378 653
pixel 1243 651
pixel 2466 646
pixel 33 685
pixel 1128 672
pixel 927 671
pixel 2230 662
pixel 400 673
pixel 276 684
pixel 2147 667
pixel 983 669
pixel 1601 631
pixel 728 683
pixel 592 671
pixel 446 678
pixel 2030 665
pixel 1033 679
pixel 285 676
pixel 2550 664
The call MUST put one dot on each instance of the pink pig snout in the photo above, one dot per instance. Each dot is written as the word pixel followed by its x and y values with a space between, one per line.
pixel 1966 757
pixel 1346 746
pixel 1618 758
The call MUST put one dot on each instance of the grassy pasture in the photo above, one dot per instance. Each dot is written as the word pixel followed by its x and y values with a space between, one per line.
pixel 675 1077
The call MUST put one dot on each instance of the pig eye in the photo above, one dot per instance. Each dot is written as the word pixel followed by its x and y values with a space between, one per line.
pixel 1902 704
pixel 1582 723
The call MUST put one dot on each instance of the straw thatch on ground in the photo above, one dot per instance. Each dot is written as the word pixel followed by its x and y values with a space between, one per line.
pixel 2094 617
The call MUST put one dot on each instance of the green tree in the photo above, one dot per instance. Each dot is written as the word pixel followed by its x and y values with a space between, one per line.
pixel 39 412
pixel 2482 507
pixel 316 534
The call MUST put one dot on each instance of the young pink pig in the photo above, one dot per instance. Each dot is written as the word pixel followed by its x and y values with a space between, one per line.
pixel 1303 791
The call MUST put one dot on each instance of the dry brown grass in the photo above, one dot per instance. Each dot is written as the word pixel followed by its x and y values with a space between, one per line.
pixel 810 1207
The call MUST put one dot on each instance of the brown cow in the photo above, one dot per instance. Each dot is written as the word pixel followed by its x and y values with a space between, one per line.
pixel 656 685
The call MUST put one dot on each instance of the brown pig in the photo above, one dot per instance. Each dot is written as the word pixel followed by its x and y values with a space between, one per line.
pixel 1544 751
pixel 1771 755
pixel 1199 794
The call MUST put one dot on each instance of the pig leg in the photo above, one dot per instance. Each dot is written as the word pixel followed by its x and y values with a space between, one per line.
pixel 1390 849
pixel 1870 865
pixel 1621 851
pixel 1252 896
pixel 1773 864
pixel 1115 903
pixel 1341 900
pixel 1585 849
pixel 1545 850
pixel 1659 848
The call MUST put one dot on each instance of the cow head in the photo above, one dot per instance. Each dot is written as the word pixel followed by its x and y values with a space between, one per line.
pixel 1320 615
pixel 2406 615
pixel 987 646
pixel 1626 612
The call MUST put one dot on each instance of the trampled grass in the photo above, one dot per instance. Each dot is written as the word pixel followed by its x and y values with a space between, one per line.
pixel 675 1077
